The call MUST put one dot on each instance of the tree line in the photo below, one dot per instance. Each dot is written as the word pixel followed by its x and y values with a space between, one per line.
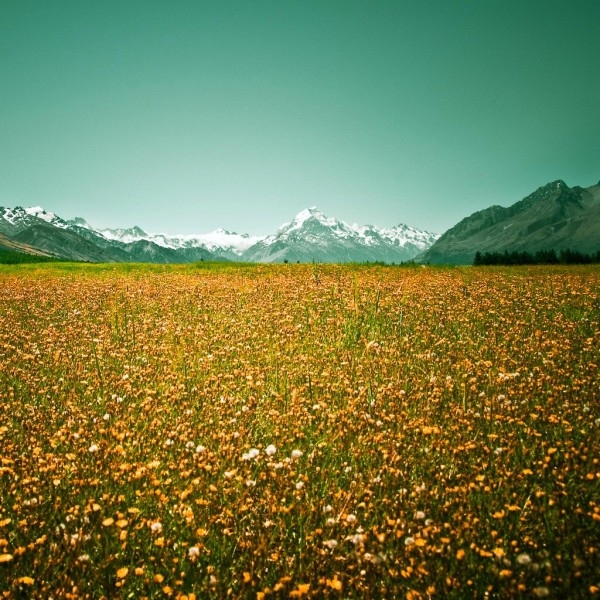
pixel 541 257
pixel 10 257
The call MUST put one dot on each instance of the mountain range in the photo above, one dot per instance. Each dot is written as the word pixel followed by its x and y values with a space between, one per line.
pixel 554 217
pixel 309 237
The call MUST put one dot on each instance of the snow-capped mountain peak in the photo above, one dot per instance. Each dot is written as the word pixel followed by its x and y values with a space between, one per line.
pixel 311 235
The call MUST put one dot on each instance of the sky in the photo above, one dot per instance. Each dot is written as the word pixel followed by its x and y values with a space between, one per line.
pixel 182 116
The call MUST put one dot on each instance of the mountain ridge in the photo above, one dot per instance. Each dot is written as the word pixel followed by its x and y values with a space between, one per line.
pixel 555 216
pixel 310 236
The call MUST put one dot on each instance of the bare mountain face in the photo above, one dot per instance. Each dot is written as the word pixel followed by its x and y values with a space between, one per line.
pixel 554 217
pixel 311 236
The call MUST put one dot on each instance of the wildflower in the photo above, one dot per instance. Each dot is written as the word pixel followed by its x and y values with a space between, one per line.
pixel 190 445
pixel 252 453
pixel 327 509
pixel 419 514
pixel 93 448
pixel 193 551
pixel 156 527
pixel 331 544
pixel 270 450
pixel 409 541
pixel 541 592
pixel 523 559
pixel 106 417
pixel 84 558
pixel 351 518
pixel 296 453
pixel 200 449
pixel 330 521
pixel 299 485
pixel 250 482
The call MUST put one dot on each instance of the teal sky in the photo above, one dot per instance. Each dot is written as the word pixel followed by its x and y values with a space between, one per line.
pixel 183 116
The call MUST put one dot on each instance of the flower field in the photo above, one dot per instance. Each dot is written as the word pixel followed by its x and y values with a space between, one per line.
pixel 299 431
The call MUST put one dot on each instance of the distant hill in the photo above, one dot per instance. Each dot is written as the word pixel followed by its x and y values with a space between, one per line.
pixel 554 217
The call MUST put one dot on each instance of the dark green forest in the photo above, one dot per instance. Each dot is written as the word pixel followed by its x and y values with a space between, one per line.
pixel 541 257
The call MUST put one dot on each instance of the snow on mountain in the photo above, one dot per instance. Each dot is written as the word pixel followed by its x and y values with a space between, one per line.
pixel 15 220
pixel 127 236
pixel 311 235
pixel 44 215
pixel 79 222
pixel 229 244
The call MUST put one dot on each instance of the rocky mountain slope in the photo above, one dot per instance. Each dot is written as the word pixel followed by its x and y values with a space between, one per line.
pixel 555 217
pixel 310 236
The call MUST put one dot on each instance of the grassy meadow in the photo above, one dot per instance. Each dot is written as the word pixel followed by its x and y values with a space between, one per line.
pixel 299 431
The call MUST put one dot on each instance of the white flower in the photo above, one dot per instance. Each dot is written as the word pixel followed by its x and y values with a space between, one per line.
pixel 270 450
pixel 299 485
pixel 250 482
pixel 523 559
pixel 331 544
pixel 84 558
pixel 193 551
pixel 330 522
pixel 200 449
pixel 351 518
pixel 327 509
pixel 106 417
pixel 190 445
pixel 229 474
pixel 252 453
pixel 409 541
pixel 419 514
pixel 93 448
pixel 296 453
pixel 156 527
